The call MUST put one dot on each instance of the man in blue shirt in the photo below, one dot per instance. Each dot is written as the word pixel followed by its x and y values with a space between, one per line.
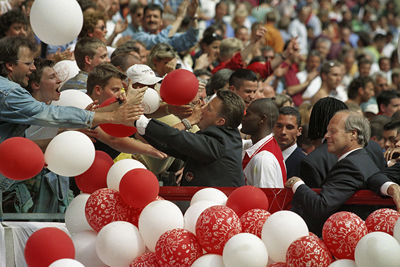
pixel 153 33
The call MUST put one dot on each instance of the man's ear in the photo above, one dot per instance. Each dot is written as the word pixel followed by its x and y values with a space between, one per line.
pixel 232 88
pixel 97 90
pixel 10 67
pixel 220 121
pixel 35 86
pixel 88 60
pixel 300 131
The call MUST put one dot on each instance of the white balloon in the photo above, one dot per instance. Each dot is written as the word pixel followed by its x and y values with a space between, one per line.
pixel 66 263
pixel 343 263
pixel 66 69
pixel 396 230
pixel 209 194
pixel 209 260
pixel 73 98
pixel 245 249
pixel 69 154
pixel 280 230
pixel 377 249
pixel 193 213
pixel 75 218
pixel 85 249
pixel 119 243
pixel 157 218
pixel 118 170
pixel 151 101
pixel 56 22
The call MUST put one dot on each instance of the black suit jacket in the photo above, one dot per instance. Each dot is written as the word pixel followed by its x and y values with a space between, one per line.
pixel 293 162
pixel 355 172
pixel 393 172
pixel 213 157
pixel 316 165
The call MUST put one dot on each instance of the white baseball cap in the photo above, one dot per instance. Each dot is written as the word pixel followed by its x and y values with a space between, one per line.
pixel 140 73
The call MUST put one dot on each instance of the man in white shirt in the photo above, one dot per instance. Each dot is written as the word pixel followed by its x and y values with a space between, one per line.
pixel 263 164
pixel 347 134
pixel 286 130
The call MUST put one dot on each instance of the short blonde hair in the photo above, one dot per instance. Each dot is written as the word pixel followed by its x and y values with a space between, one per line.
pixel 160 51
pixel 229 47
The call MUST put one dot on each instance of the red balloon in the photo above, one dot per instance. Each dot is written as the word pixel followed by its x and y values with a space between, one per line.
pixel 382 220
pixel 308 251
pixel 104 206
pixel 341 233
pixel 139 187
pixel 247 197
pixel 47 245
pixel 252 221
pixel 278 264
pixel 117 130
pixel 148 259
pixel 177 247
pixel 96 176
pixel 179 87
pixel 215 226
pixel 20 158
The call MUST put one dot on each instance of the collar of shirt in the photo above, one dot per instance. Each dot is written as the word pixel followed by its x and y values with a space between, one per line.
pixel 288 151
pixel 254 148
pixel 347 153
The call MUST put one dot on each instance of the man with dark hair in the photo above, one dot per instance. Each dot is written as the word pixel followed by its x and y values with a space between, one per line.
pixel 388 102
pixel 212 155
pixel 220 80
pixel 360 90
pixel 244 83
pixel 390 132
pixel 89 52
pixel 347 134
pixel 153 33
pixel 13 23
pixel 286 131
pixel 263 163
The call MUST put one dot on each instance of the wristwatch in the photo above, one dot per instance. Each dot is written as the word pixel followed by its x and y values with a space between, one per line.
pixel 187 124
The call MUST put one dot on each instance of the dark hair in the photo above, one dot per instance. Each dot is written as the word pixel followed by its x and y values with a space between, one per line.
pixel 133 7
pixel 392 125
pixel 328 65
pixel 377 124
pixel 9 18
pixel 101 74
pixel 9 49
pixel 122 61
pixel 267 108
pixel 153 7
pixel 322 112
pixel 218 80
pixel 210 38
pixel 86 46
pixel 232 108
pixel 382 59
pixel 200 72
pixel 240 75
pixel 124 49
pixel 291 111
pixel 36 75
pixel 86 4
pixel 358 82
pixel 386 96
pixel 363 60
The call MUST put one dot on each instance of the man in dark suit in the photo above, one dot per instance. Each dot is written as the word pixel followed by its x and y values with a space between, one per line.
pixel 347 133
pixel 286 130
pixel 213 155
pixel 315 166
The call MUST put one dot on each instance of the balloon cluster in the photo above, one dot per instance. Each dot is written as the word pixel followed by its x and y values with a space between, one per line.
pixel 126 224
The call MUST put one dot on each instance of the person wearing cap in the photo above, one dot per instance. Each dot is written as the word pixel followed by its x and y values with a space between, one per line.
pixel 153 33
pixel 104 82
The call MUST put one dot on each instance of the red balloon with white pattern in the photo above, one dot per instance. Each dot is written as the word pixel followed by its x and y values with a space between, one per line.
pixel 148 259
pixel 382 220
pixel 341 233
pixel 104 206
pixel 177 248
pixel 215 226
pixel 278 264
pixel 308 251
pixel 252 221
